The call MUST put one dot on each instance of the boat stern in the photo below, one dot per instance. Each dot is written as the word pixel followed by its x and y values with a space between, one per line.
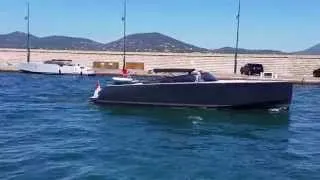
pixel 96 92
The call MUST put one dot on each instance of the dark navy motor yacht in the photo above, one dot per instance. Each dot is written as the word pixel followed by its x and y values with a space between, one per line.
pixel 194 89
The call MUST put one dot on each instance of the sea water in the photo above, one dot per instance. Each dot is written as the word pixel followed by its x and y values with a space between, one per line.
pixel 49 130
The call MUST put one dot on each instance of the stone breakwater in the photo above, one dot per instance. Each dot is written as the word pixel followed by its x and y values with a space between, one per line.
pixel 285 66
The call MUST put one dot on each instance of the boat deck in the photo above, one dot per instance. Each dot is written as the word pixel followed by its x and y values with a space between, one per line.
pixel 203 82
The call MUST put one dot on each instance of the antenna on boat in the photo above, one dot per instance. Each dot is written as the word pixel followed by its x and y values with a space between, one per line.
pixel 124 19
pixel 237 41
pixel 28 32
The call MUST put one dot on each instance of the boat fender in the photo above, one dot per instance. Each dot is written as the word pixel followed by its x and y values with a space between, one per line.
pixel 125 72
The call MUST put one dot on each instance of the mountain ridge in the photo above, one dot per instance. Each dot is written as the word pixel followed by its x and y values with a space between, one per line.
pixel 139 42
pixel 231 50
pixel 314 50
pixel 152 42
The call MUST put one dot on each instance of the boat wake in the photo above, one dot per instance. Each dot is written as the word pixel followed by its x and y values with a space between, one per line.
pixel 279 109
pixel 196 118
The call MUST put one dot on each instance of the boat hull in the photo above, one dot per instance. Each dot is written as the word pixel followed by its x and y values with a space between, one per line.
pixel 53 69
pixel 205 94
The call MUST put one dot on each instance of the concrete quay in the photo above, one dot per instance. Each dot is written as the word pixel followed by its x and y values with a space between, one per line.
pixel 294 68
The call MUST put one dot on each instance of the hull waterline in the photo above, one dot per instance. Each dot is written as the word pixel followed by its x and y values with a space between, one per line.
pixel 50 73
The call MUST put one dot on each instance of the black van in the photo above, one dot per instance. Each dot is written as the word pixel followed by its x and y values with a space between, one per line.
pixel 316 73
pixel 252 69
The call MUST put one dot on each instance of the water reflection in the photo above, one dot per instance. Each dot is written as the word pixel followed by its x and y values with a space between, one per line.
pixel 187 115
pixel 202 130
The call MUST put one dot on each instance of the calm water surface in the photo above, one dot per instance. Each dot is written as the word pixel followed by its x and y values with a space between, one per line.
pixel 49 130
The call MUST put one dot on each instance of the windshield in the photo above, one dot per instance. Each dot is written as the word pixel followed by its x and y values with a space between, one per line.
pixel 205 76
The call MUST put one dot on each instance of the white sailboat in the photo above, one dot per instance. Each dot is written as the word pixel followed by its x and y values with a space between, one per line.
pixel 124 79
pixel 54 66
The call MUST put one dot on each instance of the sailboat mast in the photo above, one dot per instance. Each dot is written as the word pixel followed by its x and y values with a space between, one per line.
pixel 124 19
pixel 28 32
pixel 237 41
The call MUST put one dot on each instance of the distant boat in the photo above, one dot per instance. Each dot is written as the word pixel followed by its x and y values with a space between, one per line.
pixel 54 66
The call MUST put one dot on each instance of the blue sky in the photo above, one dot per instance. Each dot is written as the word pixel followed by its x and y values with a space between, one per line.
pixel 287 25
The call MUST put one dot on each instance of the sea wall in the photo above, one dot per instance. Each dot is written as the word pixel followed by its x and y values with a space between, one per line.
pixel 283 65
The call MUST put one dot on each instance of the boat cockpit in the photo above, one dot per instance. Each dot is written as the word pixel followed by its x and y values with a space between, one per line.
pixel 169 76
pixel 191 76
